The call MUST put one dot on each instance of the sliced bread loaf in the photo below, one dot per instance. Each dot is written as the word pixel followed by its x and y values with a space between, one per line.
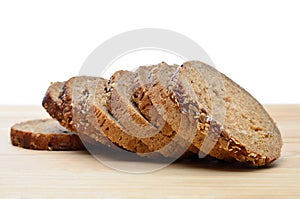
pixel 44 134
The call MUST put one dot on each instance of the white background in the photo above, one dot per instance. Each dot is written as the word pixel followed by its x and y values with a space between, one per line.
pixel 256 43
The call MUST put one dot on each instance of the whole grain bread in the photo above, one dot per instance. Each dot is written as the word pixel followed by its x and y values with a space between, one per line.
pixel 58 108
pixel 237 123
pixel 44 134
pixel 78 113
pixel 195 98
pixel 190 106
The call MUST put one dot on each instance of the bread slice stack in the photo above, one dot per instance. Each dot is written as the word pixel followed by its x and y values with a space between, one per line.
pixel 167 111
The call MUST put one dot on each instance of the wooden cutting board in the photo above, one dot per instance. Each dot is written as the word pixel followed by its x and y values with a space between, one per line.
pixel 36 174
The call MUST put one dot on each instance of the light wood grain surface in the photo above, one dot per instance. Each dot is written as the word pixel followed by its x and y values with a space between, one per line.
pixel 44 174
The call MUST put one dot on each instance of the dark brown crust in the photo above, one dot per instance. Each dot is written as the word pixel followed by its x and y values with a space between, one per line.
pixel 44 141
pixel 67 106
pixel 58 106
pixel 51 103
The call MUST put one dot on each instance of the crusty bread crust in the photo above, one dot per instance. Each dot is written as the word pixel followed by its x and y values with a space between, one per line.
pixel 51 101
pixel 44 134
pixel 67 104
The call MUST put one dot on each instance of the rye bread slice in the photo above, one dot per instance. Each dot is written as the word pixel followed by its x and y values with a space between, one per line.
pixel 241 126
pixel 57 108
pixel 44 134
pixel 120 105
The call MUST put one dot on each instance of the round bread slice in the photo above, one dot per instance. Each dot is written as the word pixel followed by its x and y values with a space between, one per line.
pixel 44 134
pixel 240 124
pixel 56 108
pixel 120 105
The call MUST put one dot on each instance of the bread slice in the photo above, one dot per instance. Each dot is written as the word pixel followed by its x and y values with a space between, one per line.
pixel 58 108
pixel 236 122
pixel 120 105
pixel 44 134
